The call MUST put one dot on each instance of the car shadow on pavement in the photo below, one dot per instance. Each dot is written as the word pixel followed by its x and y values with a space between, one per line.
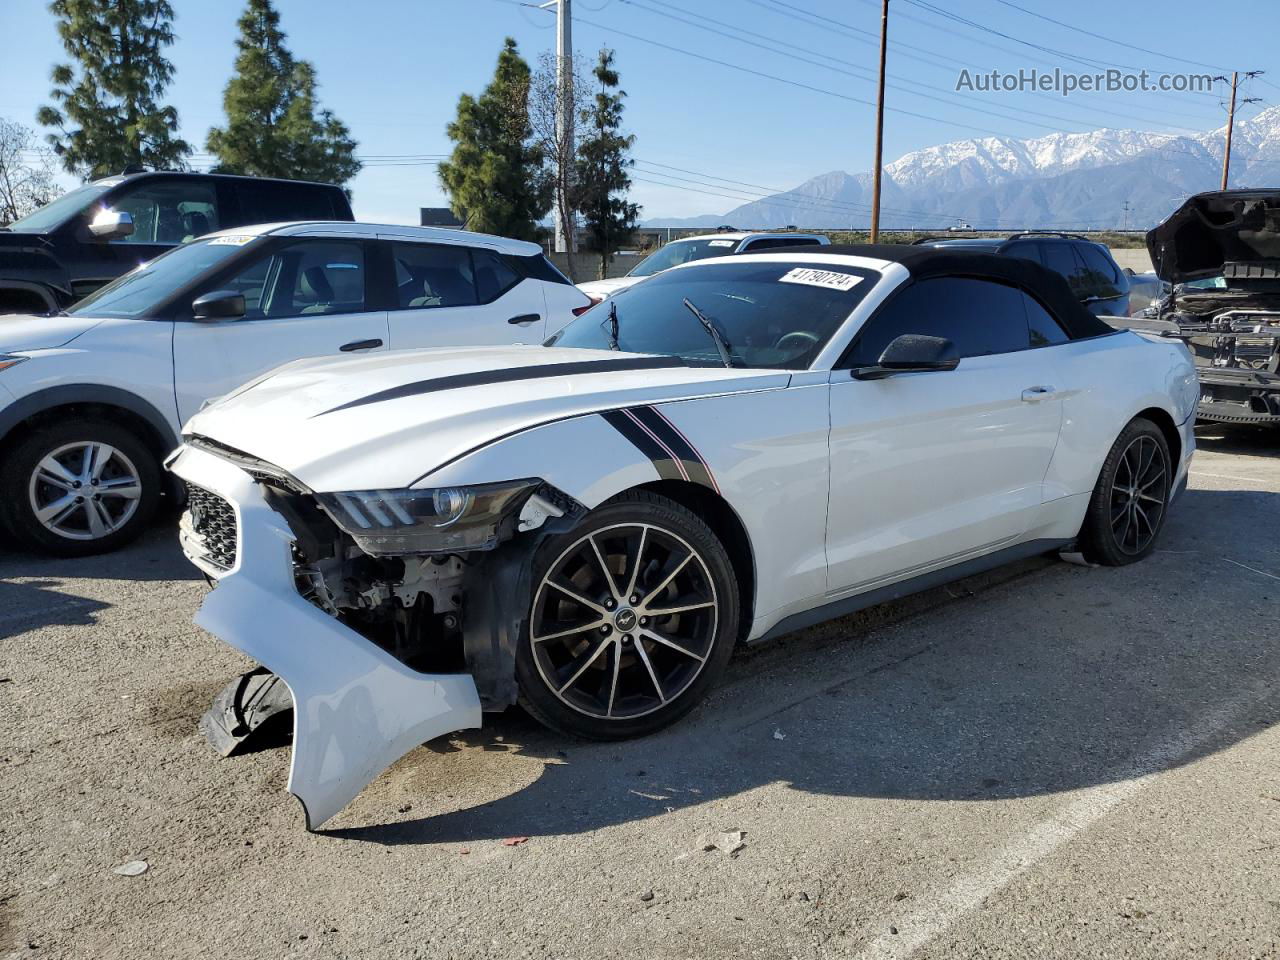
pixel 1239 441
pixel 153 556
pixel 1050 681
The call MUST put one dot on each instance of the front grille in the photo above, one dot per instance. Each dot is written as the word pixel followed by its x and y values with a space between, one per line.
pixel 213 522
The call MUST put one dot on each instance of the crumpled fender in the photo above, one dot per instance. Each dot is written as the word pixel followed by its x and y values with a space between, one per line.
pixel 356 708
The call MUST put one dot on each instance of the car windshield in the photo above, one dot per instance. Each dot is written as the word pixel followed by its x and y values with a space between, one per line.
pixel 776 314
pixel 57 212
pixel 141 290
pixel 682 251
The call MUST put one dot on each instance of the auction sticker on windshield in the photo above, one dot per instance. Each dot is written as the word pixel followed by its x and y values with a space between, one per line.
pixel 821 278
pixel 230 241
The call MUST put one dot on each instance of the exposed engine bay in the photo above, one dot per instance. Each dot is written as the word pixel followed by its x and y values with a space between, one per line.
pixel 1222 250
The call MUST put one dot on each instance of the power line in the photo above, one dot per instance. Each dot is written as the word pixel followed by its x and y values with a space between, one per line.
pixel 1100 36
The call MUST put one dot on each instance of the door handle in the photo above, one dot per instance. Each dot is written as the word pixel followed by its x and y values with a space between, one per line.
pixel 525 318
pixel 1036 394
pixel 360 345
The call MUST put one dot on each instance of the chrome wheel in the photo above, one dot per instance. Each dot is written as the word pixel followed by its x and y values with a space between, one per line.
pixel 84 490
pixel 624 621
pixel 1139 492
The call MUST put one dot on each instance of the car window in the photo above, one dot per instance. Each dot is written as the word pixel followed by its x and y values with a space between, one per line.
pixel 1025 250
pixel 493 276
pixel 276 201
pixel 303 278
pixel 766 243
pixel 1043 329
pixel 1060 258
pixel 1100 273
pixel 433 275
pixel 776 314
pixel 53 214
pixel 978 316
pixel 141 291
pixel 682 251
pixel 168 211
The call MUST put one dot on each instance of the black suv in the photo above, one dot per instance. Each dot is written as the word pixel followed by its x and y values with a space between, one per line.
pixel 1089 268
pixel 70 247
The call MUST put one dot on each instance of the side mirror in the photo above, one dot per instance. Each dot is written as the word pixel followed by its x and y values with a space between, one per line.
pixel 218 305
pixel 912 353
pixel 111 223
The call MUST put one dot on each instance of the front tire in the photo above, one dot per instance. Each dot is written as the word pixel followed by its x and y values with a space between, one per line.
pixel 634 617
pixel 78 487
pixel 1131 499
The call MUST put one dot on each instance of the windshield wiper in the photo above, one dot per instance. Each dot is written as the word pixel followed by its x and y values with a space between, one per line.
pixel 722 344
pixel 613 325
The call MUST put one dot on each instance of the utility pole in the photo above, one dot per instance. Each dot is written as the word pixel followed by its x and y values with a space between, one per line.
pixel 1231 119
pixel 875 181
pixel 564 108
pixel 1126 215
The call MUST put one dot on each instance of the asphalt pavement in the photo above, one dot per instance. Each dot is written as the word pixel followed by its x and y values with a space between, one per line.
pixel 1048 760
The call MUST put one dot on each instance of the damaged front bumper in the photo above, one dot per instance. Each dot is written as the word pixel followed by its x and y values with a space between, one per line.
pixel 357 709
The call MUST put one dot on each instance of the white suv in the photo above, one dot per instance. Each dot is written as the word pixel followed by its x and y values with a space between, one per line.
pixel 93 398
pixel 698 248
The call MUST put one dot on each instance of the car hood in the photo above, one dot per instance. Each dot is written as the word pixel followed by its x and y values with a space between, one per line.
pixel 26 332
pixel 1211 230
pixel 607 288
pixel 387 420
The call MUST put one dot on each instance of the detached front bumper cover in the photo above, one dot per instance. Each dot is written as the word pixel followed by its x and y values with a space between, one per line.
pixel 356 708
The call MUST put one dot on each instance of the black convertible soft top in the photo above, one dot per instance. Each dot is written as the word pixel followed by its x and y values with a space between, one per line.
pixel 922 262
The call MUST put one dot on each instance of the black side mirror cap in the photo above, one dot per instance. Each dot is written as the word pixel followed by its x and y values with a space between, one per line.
pixel 912 353
pixel 218 305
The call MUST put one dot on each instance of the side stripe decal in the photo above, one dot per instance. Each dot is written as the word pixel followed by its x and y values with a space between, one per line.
pixel 663 444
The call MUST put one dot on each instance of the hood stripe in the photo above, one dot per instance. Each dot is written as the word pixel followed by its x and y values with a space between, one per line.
pixel 482 378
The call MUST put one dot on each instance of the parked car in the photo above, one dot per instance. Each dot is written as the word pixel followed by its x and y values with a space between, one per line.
pixel 1221 251
pixel 88 237
pixel 687 249
pixel 734 449
pixel 1145 289
pixel 92 399
pixel 1090 270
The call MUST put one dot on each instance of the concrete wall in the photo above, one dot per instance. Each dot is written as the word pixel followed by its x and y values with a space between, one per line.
pixel 1137 260
pixel 587 263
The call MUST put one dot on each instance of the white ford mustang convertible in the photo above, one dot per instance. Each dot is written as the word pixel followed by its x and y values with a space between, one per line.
pixel 735 449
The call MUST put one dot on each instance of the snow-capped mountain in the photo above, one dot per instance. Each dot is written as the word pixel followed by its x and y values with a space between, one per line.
pixel 1064 180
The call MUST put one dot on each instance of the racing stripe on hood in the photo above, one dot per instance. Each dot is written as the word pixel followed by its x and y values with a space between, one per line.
pixel 658 439
pixel 482 378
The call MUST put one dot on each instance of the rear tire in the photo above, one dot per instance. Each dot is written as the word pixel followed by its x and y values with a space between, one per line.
pixel 599 658
pixel 78 487
pixel 1131 499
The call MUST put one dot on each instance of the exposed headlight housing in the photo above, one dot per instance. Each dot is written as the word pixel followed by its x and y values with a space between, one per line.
pixel 433 520
pixel 8 360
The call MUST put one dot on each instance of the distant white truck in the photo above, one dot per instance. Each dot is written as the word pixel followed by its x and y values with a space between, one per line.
pixel 698 248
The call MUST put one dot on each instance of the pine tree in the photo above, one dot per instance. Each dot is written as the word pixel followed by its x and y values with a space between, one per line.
pixel 603 162
pixel 495 177
pixel 273 128
pixel 107 107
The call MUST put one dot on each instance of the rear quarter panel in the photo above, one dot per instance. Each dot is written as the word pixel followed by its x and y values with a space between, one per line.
pixel 1106 381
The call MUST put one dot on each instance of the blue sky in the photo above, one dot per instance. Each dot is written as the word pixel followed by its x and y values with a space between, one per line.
pixel 393 70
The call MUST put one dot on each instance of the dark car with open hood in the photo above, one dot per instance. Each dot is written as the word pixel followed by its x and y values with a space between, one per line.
pixel 99 231
pixel 1222 250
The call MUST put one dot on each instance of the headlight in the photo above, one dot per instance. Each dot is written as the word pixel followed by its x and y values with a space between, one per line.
pixel 10 360
pixel 439 520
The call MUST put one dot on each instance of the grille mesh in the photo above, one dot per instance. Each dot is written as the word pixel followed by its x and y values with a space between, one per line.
pixel 212 519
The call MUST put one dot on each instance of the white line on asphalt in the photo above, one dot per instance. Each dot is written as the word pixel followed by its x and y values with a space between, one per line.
pixel 1223 476
pixel 1007 864
pixel 1254 569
